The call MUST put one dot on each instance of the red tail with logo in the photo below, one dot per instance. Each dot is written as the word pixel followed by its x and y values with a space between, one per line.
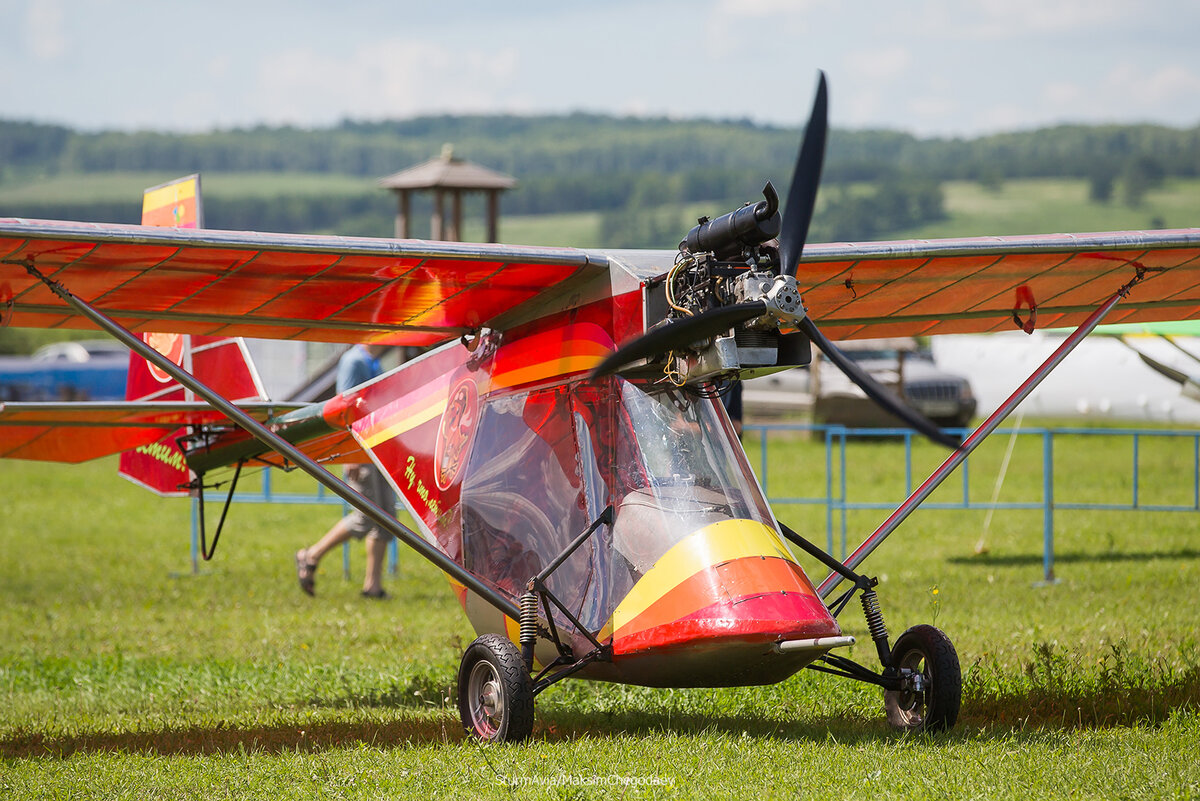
pixel 220 362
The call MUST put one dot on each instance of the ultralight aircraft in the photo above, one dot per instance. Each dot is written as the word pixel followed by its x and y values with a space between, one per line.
pixel 561 445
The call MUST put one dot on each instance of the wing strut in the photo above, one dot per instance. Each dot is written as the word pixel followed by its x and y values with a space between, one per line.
pixel 922 492
pixel 286 449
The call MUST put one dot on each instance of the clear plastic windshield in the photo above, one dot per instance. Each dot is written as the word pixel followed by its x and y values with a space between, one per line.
pixel 684 469
pixel 546 463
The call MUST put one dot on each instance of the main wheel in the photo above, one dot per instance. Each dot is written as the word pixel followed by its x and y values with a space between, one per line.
pixel 495 693
pixel 927 651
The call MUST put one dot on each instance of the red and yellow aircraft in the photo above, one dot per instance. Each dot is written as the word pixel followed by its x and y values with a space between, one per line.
pixel 561 446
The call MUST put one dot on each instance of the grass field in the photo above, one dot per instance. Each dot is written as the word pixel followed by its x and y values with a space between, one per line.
pixel 123 676
pixel 1018 207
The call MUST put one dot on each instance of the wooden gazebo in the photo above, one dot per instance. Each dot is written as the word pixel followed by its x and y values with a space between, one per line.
pixel 447 175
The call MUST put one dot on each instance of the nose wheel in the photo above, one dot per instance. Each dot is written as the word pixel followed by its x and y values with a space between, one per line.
pixel 931 681
pixel 495 692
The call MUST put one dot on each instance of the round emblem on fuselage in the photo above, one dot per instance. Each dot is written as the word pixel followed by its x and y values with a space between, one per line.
pixel 454 432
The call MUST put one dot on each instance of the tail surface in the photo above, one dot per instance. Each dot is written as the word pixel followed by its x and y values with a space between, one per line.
pixel 222 363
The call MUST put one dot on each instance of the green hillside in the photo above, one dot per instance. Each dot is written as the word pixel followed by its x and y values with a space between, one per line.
pixel 622 181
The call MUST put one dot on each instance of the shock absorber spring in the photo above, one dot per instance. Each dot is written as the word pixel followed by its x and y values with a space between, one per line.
pixel 875 624
pixel 529 618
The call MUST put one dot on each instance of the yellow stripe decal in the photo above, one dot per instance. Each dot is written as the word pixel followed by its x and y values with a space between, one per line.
pixel 405 413
pixel 168 195
pixel 411 420
pixel 712 545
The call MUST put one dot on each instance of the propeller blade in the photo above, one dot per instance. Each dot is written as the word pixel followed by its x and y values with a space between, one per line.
pixel 802 196
pixel 874 390
pixel 680 333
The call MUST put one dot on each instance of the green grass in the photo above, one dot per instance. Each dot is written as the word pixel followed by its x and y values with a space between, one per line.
pixel 122 675
pixel 1057 206
pixel 1019 207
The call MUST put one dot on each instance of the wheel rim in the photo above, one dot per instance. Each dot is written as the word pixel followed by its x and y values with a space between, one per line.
pixel 906 709
pixel 485 699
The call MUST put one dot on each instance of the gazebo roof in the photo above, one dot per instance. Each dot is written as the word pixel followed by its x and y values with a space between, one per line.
pixel 448 172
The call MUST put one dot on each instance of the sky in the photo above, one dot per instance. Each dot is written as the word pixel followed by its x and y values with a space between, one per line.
pixel 929 67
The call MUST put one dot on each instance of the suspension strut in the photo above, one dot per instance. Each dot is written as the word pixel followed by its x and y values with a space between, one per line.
pixel 876 626
pixel 529 625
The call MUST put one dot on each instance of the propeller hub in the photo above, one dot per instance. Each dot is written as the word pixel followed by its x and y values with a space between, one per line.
pixel 784 301
pixel 779 293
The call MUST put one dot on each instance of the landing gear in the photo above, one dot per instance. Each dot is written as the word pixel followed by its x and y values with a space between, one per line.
pixel 931 682
pixel 496 682
pixel 921 677
pixel 495 692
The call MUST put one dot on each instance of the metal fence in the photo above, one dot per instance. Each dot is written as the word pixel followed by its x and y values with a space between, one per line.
pixel 268 494
pixel 836 498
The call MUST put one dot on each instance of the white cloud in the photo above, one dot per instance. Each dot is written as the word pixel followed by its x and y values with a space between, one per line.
pixel 44 29
pixel 880 63
pixel 388 78
pixel 1170 84
pixel 763 9
pixel 1019 19
pixel 743 23
pixel 1127 91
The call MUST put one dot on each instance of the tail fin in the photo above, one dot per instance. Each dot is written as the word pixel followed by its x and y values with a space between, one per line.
pixel 220 362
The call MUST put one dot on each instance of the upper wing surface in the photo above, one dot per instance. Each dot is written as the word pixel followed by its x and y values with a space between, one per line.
pixel 272 286
pixel 955 286
pixel 340 289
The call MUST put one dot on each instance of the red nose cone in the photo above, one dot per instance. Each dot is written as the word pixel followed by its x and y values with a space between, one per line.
pixel 711 610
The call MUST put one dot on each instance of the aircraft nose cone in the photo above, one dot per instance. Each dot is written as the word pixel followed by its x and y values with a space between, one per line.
pixel 710 610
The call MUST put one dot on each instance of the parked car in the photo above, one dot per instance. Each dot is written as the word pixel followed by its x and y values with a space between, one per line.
pixel 80 370
pixel 899 364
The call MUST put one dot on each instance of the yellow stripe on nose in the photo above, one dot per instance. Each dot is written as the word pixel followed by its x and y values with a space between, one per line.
pixel 712 545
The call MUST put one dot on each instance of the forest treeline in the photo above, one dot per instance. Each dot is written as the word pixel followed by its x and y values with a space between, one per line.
pixel 874 181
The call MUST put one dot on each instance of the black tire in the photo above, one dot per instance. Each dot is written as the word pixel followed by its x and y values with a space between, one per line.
pixel 930 652
pixel 495 692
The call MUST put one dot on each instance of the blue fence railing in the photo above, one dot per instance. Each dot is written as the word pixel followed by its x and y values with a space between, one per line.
pixel 267 493
pixel 836 498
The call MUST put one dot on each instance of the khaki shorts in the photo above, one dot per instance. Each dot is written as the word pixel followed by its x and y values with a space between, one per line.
pixel 367 480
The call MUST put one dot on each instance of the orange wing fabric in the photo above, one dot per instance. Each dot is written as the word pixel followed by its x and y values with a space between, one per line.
pixel 957 286
pixel 272 286
pixel 338 289
pixel 77 432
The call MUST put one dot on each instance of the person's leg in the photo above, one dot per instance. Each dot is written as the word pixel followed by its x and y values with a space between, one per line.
pixel 342 530
pixel 307 559
pixel 376 555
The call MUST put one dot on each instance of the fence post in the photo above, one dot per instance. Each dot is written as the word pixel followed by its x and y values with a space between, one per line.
pixel 196 535
pixel 828 489
pixel 1048 506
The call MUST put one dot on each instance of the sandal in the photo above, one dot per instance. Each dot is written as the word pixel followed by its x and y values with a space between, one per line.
pixel 306 572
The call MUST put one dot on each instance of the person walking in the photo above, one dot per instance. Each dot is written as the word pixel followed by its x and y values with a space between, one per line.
pixel 357 366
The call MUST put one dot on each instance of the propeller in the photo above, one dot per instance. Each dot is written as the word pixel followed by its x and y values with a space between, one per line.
pixel 806 177
pixel 874 390
pixel 680 333
pixel 782 299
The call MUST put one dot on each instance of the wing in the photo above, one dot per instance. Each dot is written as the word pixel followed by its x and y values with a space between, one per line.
pixel 338 289
pixel 77 432
pixel 958 286
pixel 273 286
